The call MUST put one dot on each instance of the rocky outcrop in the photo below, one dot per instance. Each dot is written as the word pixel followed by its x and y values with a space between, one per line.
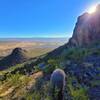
pixel 17 56
pixel 94 93
pixel 87 29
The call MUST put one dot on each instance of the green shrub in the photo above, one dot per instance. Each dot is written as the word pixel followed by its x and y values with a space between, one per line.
pixel 77 53
pixel 49 69
pixel 78 94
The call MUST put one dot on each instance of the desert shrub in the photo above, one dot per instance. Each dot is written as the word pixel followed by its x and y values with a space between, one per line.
pixel 18 79
pixel 80 94
pixel 49 69
pixel 77 94
pixel 39 84
pixel 14 79
pixel 36 68
pixel 33 96
pixel 25 80
pixel 40 91
pixel 77 53
pixel 53 62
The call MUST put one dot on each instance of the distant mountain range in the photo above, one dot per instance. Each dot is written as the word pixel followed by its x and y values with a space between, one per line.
pixel 35 39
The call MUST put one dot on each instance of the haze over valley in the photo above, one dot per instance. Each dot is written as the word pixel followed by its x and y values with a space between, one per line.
pixel 34 46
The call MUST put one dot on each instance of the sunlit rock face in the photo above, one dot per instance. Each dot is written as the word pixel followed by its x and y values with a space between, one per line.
pixel 98 8
pixel 87 29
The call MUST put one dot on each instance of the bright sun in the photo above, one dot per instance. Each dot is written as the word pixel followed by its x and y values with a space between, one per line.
pixel 92 10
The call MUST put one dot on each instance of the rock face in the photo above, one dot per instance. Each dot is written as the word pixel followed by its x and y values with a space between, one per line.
pixel 87 29
pixel 94 93
pixel 17 56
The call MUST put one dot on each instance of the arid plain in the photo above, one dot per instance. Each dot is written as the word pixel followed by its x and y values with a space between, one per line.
pixel 33 47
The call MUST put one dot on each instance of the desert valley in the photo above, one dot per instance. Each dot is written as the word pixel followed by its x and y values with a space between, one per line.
pixel 35 47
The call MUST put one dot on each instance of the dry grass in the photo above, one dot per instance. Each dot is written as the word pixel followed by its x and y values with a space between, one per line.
pixel 26 83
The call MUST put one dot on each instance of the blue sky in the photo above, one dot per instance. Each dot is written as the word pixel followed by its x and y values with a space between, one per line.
pixel 40 18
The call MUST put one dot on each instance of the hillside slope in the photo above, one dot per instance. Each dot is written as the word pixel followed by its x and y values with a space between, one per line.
pixel 17 56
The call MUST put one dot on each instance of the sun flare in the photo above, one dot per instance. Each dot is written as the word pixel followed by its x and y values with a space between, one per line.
pixel 92 9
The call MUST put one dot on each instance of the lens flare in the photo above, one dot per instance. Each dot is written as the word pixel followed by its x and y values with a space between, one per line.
pixel 92 9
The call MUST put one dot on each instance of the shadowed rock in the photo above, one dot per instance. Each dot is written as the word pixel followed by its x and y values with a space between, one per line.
pixel 17 56
pixel 94 93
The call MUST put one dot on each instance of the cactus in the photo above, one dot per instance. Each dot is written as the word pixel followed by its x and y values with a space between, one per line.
pixel 57 83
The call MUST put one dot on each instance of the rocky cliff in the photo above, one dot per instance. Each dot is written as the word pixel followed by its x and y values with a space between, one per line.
pixel 87 29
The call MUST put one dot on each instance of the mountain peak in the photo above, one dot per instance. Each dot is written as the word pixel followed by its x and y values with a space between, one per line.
pixel 17 56
pixel 18 51
pixel 87 29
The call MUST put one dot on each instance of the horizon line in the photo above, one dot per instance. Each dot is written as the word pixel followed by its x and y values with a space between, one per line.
pixel 31 37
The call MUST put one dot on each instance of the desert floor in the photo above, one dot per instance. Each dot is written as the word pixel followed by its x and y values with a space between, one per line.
pixel 34 48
